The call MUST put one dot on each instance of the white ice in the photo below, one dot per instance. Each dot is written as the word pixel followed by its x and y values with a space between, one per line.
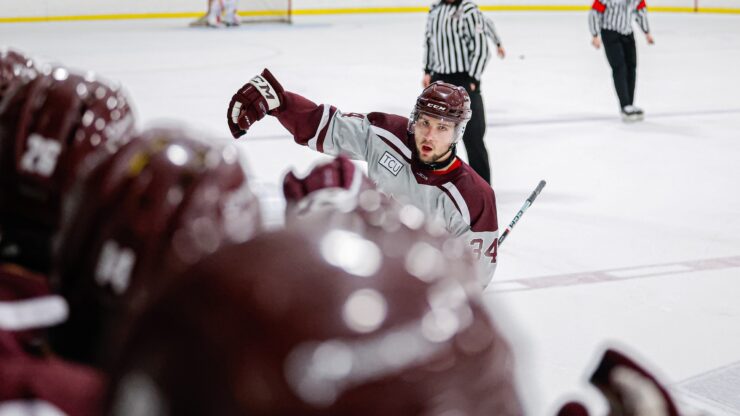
pixel 610 254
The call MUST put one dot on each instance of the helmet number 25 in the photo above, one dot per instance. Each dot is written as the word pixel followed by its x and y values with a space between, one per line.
pixel 41 156
pixel 491 251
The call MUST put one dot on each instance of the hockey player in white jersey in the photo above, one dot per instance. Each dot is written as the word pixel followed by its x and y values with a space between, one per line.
pixel 411 159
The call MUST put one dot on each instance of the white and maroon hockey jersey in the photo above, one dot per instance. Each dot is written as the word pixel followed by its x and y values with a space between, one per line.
pixel 457 195
pixel 27 308
pixel 39 384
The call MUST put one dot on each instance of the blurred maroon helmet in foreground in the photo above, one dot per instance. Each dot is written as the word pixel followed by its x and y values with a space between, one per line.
pixel 371 311
pixel 140 217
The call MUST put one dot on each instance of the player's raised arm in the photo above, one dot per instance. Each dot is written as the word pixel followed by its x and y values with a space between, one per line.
pixel 321 127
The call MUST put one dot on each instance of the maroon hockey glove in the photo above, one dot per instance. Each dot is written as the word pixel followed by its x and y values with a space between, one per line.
pixel 260 96
pixel 629 389
pixel 338 173
pixel 573 409
pixel 336 185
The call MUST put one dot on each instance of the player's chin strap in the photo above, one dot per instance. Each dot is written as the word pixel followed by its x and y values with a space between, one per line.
pixel 438 164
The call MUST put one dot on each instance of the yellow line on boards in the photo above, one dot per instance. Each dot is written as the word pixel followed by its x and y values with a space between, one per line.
pixel 534 8
pixel 356 10
pixel 718 10
pixel 668 9
pixel 122 16
pixel 361 10
pixel 261 13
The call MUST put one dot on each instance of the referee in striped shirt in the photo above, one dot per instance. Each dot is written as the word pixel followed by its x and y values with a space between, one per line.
pixel 613 18
pixel 456 51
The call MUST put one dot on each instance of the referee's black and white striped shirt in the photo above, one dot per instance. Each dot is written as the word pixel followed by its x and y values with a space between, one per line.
pixel 617 15
pixel 456 39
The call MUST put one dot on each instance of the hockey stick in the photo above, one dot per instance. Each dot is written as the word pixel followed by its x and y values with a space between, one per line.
pixel 519 214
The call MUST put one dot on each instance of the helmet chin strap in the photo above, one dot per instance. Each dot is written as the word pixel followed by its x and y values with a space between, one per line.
pixel 438 164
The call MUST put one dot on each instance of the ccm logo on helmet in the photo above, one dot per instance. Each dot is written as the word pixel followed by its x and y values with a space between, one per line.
pixel 436 107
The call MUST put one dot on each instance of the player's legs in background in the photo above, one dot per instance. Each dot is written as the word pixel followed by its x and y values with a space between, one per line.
pixel 630 55
pixel 215 9
pixel 231 18
pixel 476 127
pixel 615 55
pixel 203 20
pixel 473 137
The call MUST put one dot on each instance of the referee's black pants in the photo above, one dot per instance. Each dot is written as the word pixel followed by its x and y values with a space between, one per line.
pixel 476 128
pixel 622 56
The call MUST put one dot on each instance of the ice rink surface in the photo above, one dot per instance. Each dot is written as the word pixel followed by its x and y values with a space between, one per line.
pixel 635 241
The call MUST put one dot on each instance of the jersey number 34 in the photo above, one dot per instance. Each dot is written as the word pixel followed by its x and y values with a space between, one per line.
pixel 491 251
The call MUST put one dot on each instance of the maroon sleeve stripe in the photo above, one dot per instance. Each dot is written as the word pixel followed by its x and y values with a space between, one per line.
pixel 322 133
pixel 394 147
pixel 449 195
pixel 479 200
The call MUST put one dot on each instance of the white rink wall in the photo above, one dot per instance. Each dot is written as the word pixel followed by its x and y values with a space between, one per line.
pixel 14 10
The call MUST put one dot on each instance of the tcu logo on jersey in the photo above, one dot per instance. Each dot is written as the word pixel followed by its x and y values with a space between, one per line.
pixel 115 266
pixel 41 155
pixel 391 163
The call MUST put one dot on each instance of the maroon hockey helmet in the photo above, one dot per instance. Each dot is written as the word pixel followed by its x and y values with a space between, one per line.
pixel 48 126
pixel 14 66
pixel 445 101
pixel 135 220
pixel 357 313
